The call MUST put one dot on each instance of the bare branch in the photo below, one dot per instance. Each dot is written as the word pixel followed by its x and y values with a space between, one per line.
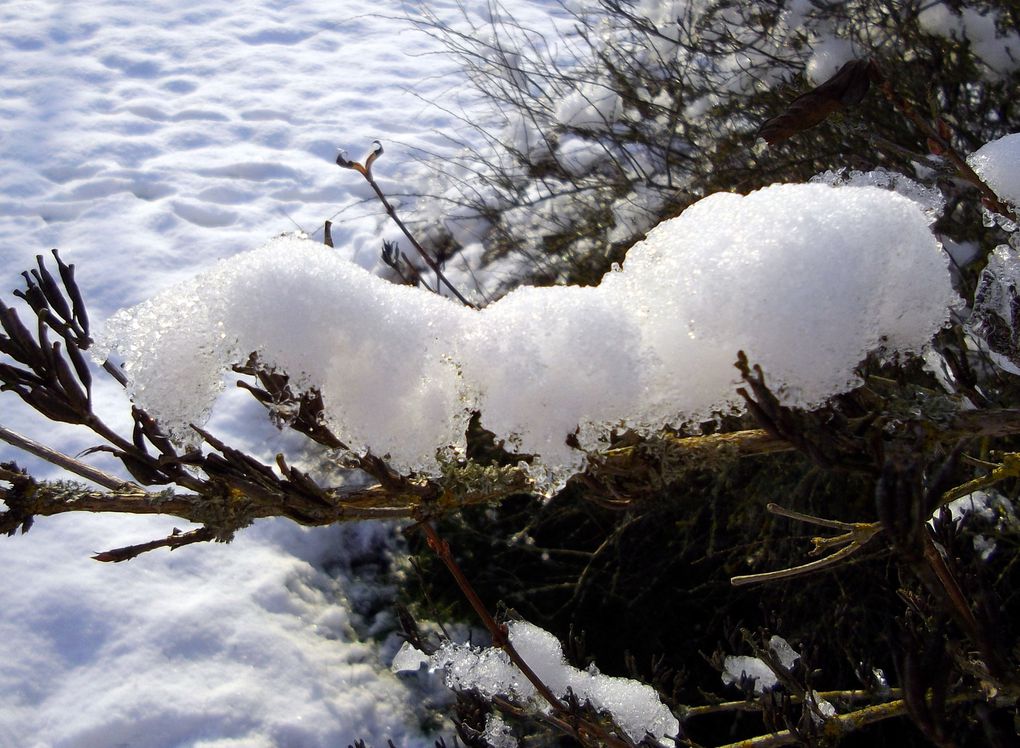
pixel 64 461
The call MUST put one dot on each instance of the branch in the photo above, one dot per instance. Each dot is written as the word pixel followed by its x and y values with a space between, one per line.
pixel 234 499
pixel 366 171
pixel 175 540
pixel 573 724
pixel 61 460
pixel 855 536
pixel 841 724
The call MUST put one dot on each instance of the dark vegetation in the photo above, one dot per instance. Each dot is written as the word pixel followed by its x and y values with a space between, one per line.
pixel 634 569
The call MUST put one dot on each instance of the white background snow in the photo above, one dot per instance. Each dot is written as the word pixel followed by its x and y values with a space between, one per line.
pixel 147 141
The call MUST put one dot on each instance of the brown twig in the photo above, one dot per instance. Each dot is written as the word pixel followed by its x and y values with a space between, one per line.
pixel 66 462
pixel 943 144
pixel 401 499
pixel 366 171
pixel 175 540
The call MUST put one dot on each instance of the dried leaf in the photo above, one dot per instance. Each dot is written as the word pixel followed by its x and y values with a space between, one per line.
pixel 846 88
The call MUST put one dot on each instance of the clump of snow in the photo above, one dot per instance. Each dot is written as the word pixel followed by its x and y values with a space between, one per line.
pixel 998 164
pixel 1000 52
pixel 821 709
pixel 634 707
pixel 807 279
pixel 497 732
pixel 546 361
pixel 989 509
pixel 375 350
pixel 591 105
pixel 742 669
pixel 408 659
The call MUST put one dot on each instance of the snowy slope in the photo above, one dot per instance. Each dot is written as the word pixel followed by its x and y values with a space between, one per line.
pixel 147 141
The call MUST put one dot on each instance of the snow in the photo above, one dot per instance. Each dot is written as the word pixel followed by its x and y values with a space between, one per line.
pixel 979 510
pixel 497 733
pixel 741 668
pixel 999 51
pixel 250 644
pixel 149 141
pixel 373 348
pixel 998 164
pixel 633 706
pixel 827 57
pixel 853 269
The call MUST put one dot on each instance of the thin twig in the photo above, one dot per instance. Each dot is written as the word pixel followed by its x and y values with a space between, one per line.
pixel 576 726
pixel 855 536
pixel 754 706
pixel 366 171
pixel 66 462
pixel 841 724
pixel 173 541
pixel 991 199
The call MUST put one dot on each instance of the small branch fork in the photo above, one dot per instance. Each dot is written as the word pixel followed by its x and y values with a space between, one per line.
pixel 366 171
pixel 854 537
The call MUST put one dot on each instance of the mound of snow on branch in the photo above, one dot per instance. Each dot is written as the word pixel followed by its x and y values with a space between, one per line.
pixel 998 163
pixel 807 279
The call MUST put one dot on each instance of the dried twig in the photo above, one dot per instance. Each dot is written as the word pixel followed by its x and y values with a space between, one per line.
pixel 855 536
pixel 175 540
pixel 366 171
pixel 66 462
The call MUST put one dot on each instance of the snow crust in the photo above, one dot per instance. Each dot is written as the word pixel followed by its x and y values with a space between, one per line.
pixel 633 706
pixel 400 369
pixel 807 279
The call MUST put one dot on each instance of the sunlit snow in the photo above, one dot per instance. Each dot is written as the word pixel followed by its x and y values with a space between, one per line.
pixel 738 669
pixel 998 163
pixel 806 279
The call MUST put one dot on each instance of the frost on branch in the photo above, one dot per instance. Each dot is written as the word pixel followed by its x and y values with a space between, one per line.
pixel 807 279
pixel 634 707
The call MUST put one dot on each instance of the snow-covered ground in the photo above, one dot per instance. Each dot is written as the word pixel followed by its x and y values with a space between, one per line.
pixel 147 141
